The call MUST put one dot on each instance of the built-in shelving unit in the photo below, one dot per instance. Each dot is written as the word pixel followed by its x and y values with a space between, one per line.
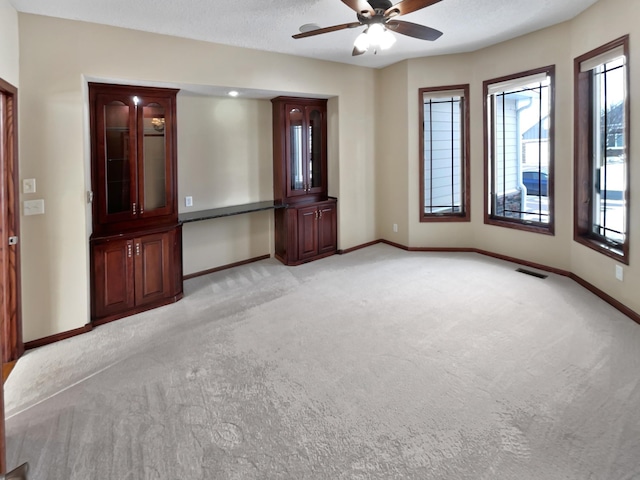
pixel 136 244
pixel 307 229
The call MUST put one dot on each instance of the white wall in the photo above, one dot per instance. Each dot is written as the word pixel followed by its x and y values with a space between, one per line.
pixel 9 68
pixel 56 54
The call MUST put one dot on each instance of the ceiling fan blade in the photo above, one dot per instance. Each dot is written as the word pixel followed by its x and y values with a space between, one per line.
pixel 408 6
pixel 334 28
pixel 414 30
pixel 360 6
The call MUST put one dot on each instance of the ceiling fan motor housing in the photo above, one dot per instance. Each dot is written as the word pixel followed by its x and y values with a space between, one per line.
pixel 379 7
pixel 380 4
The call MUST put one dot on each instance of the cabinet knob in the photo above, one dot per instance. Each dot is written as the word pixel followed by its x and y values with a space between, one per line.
pixel 129 250
pixel 137 249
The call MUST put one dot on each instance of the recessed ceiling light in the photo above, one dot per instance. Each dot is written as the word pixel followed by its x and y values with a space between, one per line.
pixel 234 93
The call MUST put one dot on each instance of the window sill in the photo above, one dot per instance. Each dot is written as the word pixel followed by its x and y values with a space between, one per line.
pixel 532 227
pixel 604 248
pixel 444 217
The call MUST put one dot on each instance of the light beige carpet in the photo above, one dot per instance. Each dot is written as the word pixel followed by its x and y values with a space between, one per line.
pixel 379 364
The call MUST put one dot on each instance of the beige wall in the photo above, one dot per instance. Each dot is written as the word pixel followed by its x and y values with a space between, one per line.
pixel 53 96
pixel 373 148
pixel 9 68
pixel 391 134
pixel 620 17
pixel 431 72
pixel 225 158
pixel 399 172
pixel 547 47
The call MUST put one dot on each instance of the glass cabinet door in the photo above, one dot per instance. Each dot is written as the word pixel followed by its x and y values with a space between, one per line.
pixel 300 149
pixel 118 158
pixel 315 148
pixel 153 155
pixel 296 134
pixel 133 157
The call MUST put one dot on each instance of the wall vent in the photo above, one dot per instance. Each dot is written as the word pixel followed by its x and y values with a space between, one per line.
pixel 532 273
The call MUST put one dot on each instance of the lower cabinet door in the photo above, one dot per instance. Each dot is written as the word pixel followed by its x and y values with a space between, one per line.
pixel 307 232
pixel 327 228
pixel 130 275
pixel 113 277
pixel 152 268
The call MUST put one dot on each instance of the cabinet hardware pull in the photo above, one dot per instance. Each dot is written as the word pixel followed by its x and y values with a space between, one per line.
pixel 141 209
pixel 320 211
pixel 137 249
pixel 129 250
pixel 316 214
pixel 134 208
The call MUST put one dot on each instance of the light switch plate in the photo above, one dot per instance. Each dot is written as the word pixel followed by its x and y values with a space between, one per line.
pixel 29 185
pixel 33 207
pixel 188 201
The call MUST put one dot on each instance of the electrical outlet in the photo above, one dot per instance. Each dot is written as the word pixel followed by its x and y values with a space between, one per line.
pixel 395 227
pixel 29 185
pixel 188 201
pixel 619 272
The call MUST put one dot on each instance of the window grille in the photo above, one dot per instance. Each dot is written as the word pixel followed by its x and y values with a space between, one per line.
pixel 519 150
pixel 444 145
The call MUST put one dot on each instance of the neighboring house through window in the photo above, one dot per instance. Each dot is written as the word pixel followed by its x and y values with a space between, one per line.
pixel 519 128
pixel 444 145
pixel 601 150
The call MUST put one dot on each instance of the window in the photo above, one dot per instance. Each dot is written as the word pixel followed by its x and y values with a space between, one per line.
pixel 444 146
pixel 519 139
pixel 601 150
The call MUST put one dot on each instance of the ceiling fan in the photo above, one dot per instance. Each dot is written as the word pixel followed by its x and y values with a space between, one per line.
pixel 379 17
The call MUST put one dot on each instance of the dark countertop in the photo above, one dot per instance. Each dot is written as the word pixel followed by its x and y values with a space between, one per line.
pixel 187 217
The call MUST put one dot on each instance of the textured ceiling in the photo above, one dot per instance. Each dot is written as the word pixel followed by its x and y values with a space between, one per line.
pixel 268 24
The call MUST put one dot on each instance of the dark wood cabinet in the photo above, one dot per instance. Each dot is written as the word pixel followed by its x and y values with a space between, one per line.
pixel 299 149
pixel 113 280
pixel 327 228
pixel 317 230
pixel 133 132
pixel 132 272
pixel 136 240
pixel 306 232
pixel 307 229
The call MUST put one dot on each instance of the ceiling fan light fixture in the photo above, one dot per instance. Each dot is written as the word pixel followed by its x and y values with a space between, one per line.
pixel 387 40
pixel 362 42
pixel 379 36
pixel 375 33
